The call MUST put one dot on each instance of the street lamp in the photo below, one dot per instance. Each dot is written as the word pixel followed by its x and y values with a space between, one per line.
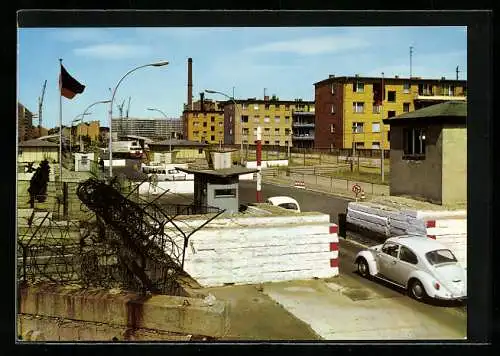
pixel 157 64
pixel 235 110
pixel 170 127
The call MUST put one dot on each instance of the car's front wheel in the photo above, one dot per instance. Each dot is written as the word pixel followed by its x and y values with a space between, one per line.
pixel 363 268
pixel 417 290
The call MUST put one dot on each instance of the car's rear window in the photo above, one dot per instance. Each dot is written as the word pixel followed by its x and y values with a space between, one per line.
pixel 440 256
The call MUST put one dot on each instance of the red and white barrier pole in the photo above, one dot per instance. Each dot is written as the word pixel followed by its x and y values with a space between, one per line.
pixel 259 160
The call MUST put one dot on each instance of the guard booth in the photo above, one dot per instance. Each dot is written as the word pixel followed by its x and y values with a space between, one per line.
pixel 218 186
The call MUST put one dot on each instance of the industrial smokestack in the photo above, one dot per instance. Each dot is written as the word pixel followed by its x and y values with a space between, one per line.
pixel 202 104
pixel 190 84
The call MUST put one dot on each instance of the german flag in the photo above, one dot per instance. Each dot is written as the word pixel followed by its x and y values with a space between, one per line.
pixel 69 86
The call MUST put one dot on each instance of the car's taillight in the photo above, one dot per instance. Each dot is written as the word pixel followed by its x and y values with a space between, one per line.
pixel 436 285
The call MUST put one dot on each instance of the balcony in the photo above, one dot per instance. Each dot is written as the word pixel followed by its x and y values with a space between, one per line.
pixel 304 137
pixel 438 96
pixel 302 124
pixel 303 113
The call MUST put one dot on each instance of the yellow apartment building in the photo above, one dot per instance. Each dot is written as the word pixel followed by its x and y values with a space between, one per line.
pixel 349 110
pixel 275 117
pixel 204 126
pixel 90 128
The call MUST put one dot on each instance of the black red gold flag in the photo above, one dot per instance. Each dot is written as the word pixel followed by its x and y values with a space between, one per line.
pixel 69 86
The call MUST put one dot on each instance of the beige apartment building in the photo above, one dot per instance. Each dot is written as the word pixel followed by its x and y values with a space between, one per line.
pixel 274 116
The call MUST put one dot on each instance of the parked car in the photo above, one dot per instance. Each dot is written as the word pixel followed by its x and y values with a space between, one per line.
pixel 284 202
pixel 421 265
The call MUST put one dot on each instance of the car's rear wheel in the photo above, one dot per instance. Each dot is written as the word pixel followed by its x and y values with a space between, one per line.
pixel 363 268
pixel 417 290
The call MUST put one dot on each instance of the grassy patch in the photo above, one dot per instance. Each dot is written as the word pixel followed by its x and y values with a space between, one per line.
pixel 374 178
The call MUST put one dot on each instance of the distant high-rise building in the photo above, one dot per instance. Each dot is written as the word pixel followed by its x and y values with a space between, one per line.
pixel 24 123
pixel 154 128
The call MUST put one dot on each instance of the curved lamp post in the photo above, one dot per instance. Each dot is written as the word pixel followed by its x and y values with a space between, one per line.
pixel 170 133
pixel 156 64
pixel 209 91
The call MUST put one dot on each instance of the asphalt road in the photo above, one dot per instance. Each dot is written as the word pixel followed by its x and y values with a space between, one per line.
pixel 449 313
pixel 308 200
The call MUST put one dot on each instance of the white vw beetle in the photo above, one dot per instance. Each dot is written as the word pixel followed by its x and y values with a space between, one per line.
pixel 421 265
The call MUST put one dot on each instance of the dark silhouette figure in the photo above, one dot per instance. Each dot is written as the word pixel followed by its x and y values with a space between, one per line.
pixel 101 164
pixel 38 184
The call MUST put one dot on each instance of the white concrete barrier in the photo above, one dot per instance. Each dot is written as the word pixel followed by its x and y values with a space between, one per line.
pixel 116 163
pixel 267 249
pixel 177 186
pixel 267 164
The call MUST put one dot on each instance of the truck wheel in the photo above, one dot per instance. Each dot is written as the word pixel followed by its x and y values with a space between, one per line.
pixel 417 290
pixel 363 268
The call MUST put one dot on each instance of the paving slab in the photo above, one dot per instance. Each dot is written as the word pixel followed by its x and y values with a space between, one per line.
pixel 342 310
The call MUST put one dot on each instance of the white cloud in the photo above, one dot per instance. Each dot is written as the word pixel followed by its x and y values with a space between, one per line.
pixel 312 45
pixel 81 35
pixel 113 51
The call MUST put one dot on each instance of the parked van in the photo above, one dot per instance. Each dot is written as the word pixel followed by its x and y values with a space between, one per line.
pixel 284 202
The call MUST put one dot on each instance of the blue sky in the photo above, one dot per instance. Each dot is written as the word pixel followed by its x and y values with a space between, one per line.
pixel 285 61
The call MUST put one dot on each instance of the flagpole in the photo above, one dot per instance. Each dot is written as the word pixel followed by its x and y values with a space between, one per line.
pixel 60 122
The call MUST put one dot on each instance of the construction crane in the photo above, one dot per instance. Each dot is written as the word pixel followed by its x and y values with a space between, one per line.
pixel 120 126
pixel 126 115
pixel 40 108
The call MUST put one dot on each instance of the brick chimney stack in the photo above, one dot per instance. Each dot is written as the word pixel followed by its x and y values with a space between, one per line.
pixel 190 84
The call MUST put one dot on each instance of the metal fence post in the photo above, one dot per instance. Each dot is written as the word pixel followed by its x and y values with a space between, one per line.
pixel 331 184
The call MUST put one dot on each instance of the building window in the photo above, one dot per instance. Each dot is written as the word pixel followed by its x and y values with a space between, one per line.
pixel 266 131
pixel 255 132
pixel 376 127
pixel 244 118
pixel 256 107
pixel 230 131
pixel 425 89
pixel 276 131
pixel 376 109
pixel 224 193
pixel 266 119
pixel 287 119
pixel 212 128
pixel 204 124
pixel 212 138
pixel 266 106
pixel 391 96
pixel 357 127
pixel 195 133
pixel 266 142
pixel 391 113
pixel 245 131
pixel 406 88
pixel 375 145
pixel 200 151
pixel 230 118
pixel 244 106
pixel 277 142
pixel 332 128
pixel 332 109
pixel 358 87
pixel 277 119
pixel 406 107
pixel 195 124
pixel 358 107
pixel 287 106
pixel 332 88
pixel 287 132
pixel 212 119
pixel 414 143
pixel 221 124
pixel 360 145
pixel 388 136
pixel 256 119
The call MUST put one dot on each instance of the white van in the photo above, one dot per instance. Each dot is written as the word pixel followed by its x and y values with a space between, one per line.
pixel 284 202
